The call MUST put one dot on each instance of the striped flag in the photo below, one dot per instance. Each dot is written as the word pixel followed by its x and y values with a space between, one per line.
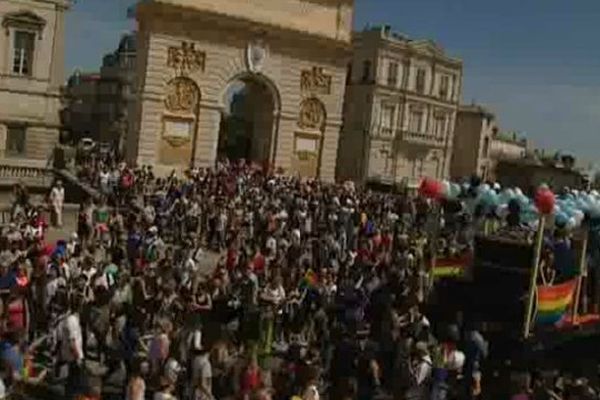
pixel 553 302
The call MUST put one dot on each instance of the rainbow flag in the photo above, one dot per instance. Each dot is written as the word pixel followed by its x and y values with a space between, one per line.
pixel 451 266
pixel 553 302
pixel 310 279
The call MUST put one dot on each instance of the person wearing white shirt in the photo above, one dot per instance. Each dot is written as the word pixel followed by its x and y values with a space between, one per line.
pixel 57 199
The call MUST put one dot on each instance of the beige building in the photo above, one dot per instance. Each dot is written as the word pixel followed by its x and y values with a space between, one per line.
pixel 290 55
pixel 400 109
pixel 31 73
pixel 509 145
pixel 474 135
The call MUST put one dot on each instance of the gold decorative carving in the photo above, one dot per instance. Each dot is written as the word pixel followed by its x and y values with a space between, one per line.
pixel 312 114
pixel 186 59
pixel 315 81
pixel 182 96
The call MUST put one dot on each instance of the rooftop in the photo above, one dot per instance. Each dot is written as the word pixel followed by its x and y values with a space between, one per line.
pixel 423 46
pixel 511 137
pixel 476 109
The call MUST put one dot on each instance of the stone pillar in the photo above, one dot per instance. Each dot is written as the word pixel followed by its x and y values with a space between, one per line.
pixel 207 138
pixel 329 151
pixel 3 134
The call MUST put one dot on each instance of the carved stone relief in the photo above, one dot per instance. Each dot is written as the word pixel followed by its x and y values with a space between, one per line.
pixel 186 59
pixel 315 81
pixel 182 96
pixel 312 114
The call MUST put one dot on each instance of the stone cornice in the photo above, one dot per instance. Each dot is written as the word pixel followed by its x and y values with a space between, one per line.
pixel 250 29
pixel 381 89
pixel 332 2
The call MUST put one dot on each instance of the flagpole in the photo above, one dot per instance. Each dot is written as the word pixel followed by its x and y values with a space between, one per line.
pixel 534 273
pixel 582 272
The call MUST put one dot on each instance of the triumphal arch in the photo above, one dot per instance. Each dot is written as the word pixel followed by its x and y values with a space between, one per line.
pixel 256 79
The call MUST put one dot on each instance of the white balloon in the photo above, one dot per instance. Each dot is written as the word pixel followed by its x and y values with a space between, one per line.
pixel 579 216
pixel 502 211
pixel 446 187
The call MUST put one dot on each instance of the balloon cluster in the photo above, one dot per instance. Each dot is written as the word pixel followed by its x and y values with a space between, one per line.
pixel 569 209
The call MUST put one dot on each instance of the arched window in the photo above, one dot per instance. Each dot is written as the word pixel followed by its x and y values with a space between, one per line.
pixel 486 146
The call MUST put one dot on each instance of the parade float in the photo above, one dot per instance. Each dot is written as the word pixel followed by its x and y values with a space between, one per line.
pixel 524 281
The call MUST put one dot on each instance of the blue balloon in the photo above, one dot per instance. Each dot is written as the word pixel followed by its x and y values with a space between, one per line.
pixel 561 218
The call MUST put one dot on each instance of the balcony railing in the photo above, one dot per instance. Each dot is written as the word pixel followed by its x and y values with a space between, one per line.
pixel 419 138
pixel 25 171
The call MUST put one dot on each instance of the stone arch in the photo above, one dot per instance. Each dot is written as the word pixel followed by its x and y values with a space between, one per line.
pixel 180 122
pixel 246 76
pixel 260 119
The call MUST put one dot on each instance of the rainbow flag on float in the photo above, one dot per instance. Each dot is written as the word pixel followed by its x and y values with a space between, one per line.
pixel 553 302
pixel 452 266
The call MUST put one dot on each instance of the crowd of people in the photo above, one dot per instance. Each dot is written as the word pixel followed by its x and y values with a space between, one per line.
pixel 229 283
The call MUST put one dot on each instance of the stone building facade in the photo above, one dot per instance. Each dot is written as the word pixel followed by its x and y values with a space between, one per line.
pixel 509 145
pixel 100 101
pixel 31 74
pixel 292 56
pixel 400 109
pixel 474 134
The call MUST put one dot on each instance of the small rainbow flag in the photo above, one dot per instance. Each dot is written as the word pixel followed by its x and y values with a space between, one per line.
pixel 553 302
pixel 451 266
pixel 310 279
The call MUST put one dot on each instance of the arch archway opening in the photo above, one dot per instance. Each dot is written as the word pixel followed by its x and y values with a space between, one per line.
pixel 247 121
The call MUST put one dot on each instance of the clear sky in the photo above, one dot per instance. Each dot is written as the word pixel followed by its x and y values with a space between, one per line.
pixel 535 63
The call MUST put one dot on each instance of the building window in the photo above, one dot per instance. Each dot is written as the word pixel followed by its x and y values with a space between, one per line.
pixel 24 44
pixel 387 116
pixel 444 86
pixel 349 73
pixel 486 146
pixel 420 84
pixel 392 75
pixel 366 76
pixel 439 125
pixel 15 141
pixel 416 121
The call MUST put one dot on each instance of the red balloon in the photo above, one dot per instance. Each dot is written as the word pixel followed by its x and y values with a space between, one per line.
pixel 545 200
pixel 430 188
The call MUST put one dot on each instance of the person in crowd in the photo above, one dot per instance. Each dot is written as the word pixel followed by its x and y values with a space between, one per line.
pixel 235 283
pixel 57 199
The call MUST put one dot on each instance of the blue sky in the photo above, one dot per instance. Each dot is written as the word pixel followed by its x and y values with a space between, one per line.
pixel 534 62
